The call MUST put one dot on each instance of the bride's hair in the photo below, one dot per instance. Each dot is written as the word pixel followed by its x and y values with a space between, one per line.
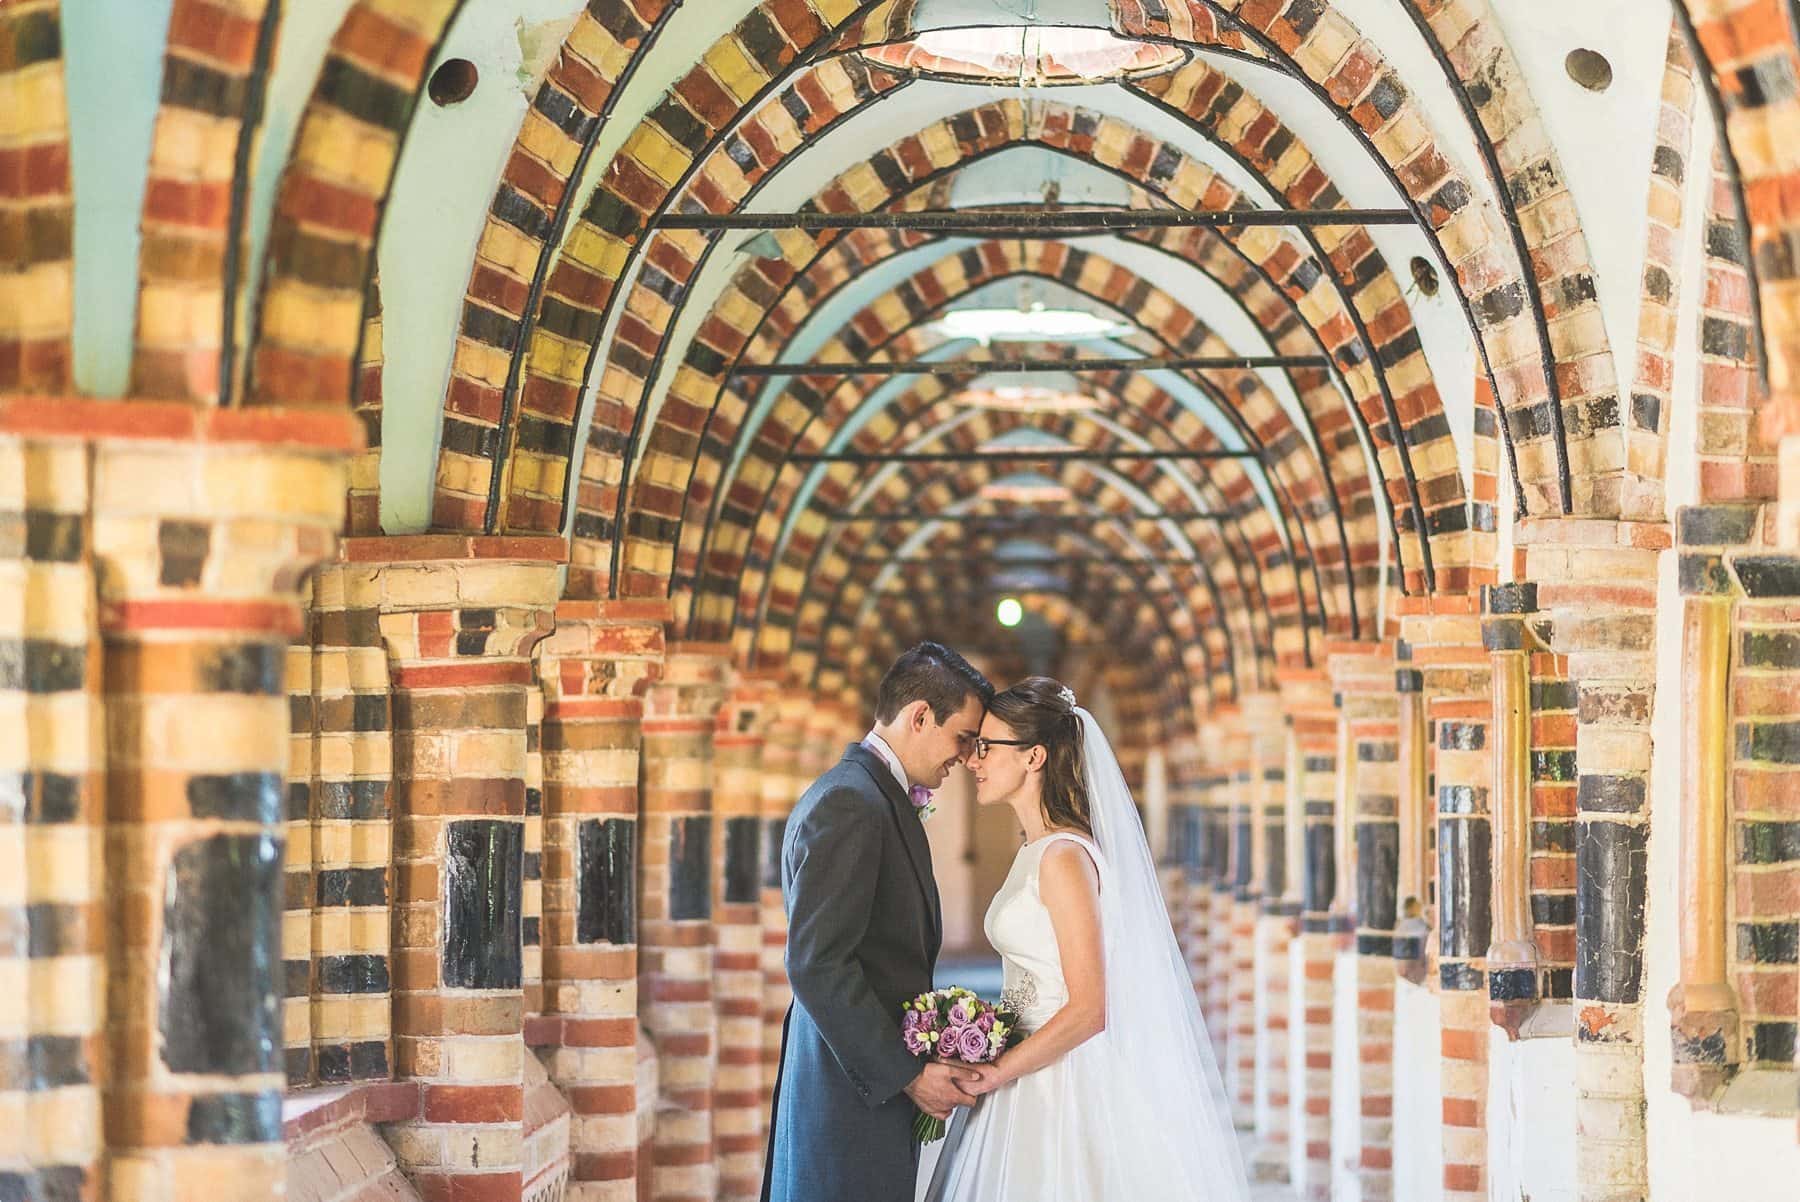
pixel 1041 710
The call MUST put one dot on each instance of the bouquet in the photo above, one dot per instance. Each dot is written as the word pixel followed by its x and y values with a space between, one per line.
pixel 955 1027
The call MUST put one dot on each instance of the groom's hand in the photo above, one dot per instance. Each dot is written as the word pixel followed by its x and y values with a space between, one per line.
pixel 938 1089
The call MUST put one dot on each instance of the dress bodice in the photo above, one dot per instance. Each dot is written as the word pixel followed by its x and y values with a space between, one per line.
pixel 1018 926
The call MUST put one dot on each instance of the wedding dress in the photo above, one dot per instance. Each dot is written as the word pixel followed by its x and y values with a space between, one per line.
pixel 1136 1114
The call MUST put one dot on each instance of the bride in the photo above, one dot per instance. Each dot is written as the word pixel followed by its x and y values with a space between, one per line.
pixel 1112 1095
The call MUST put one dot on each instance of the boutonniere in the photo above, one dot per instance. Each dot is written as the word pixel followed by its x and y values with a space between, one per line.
pixel 920 797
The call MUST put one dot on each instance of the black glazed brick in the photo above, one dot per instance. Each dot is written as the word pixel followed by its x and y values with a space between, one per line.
pixel 484 878
pixel 607 907
pixel 690 868
pixel 352 887
pixel 1321 868
pixel 237 797
pixel 221 948
pixel 1464 873
pixel 1512 985
pixel 353 974
pixel 235 1118
pixel 1377 869
pixel 739 861
pixel 253 668
pixel 1611 872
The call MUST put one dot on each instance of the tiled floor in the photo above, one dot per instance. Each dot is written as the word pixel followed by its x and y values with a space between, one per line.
pixel 981 972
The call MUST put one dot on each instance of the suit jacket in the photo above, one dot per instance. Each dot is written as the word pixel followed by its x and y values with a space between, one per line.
pixel 864 931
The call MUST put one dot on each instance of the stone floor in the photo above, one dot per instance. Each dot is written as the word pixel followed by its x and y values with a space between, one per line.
pixel 980 971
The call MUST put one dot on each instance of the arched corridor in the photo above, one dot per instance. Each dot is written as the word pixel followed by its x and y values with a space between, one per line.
pixel 465 465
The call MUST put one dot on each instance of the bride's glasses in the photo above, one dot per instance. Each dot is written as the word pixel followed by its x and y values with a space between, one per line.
pixel 982 745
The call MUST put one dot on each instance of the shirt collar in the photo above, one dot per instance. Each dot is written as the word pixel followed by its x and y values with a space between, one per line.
pixel 879 746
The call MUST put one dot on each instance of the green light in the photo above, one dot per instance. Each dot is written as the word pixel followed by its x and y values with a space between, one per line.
pixel 1010 612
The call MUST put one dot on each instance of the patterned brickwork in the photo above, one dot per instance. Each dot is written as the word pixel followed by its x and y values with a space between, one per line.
pixel 676 1004
pixel 37 217
pixel 459 618
pixel 1276 925
pixel 740 1107
pixel 198 603
pixel 362 505
pixel 347 1163
pixel 214 71
pixel 52 911
pixel 531 894
pixel 321 246
pixel 595 668
pixel 350 812
pixel 1737 463
pixel 1312 731
pixel 783 780
pixel 1596 583
pixel 1554 697
pixel 1363 679
pixel 297 869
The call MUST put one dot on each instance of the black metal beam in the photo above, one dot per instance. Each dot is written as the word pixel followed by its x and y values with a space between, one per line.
pixel 1020 455
pixel 1060 559
pixel 1034 223
pixel 974 367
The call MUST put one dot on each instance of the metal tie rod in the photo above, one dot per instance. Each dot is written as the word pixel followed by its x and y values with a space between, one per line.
pixel 1032 224
pixel 980 367
pixel 1019 454
pixel 1016 521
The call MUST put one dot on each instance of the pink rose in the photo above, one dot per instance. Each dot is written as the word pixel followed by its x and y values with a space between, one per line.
pixel 972 1045
pixel 961 1013
pixel 986 1021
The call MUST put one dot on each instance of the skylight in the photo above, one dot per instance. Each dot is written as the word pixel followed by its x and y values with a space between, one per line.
pixel 1036 324
pixel 1026 398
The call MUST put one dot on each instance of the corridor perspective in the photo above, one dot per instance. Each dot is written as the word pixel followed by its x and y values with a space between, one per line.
pixel 466 464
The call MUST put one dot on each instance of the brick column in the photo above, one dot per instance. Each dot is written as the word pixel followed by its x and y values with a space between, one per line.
pixel 740 1109
pixel 1246 902
pixel 676 837
pixel 1363 677
pixel 1277 917
pixel 1312 726
pixel 1214 901
pixel 460 617
pixel 1442 656
pixel 594 670
pixel 199 549
pixel 1596 581
pixel 783 780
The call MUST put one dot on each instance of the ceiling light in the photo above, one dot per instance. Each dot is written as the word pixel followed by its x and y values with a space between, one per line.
pixel 1036 324
pixel 1031 53
pixel 1009 612
pixel 1025 493
pixel 1026 398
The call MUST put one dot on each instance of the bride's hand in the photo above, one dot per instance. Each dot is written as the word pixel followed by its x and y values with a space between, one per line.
pixel 987 1078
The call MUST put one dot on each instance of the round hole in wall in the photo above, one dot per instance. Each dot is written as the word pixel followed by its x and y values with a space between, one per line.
pixel 452 82
pixel 1589 68
pixel 1425 276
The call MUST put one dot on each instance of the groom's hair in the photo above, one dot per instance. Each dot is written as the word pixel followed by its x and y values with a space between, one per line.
pixel 934 674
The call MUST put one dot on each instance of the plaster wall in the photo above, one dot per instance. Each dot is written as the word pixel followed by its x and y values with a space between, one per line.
pixel 1531 1119
pixel 1418 1095
pixel 1346 1083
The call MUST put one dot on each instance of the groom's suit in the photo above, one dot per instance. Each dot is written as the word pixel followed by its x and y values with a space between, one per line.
pixel 863 936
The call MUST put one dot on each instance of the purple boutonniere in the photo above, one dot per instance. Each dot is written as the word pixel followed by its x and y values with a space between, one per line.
pixel 921 800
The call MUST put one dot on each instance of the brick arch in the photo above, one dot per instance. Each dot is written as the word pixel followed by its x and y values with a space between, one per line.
pixel 304 349
pixel 1748 49
pixel 37 192
pixel 1249 597
pixel 643 181
pixel 791 424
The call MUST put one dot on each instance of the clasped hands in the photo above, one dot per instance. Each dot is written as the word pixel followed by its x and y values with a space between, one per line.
pixel 941 1088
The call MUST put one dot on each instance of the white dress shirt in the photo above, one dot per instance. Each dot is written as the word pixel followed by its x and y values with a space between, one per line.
pixel 878 745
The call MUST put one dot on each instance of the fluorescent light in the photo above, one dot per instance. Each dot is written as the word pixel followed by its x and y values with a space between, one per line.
pixel 1036 324
pixel 1026 398
pixel 1009 612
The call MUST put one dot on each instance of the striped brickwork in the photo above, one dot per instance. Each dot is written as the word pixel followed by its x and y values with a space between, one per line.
pixel 53 1055
pixel 784 779
pixel 676 913
pixel 1554 697
pixel 459 618
pixel 362 504
pixel 198 604
pixel 1362 676
pixel 531 892
pixel 740 1107
pixel 594 669
pixel 37 203
pixel 316 293
pixel 1276 926
pixel 297 866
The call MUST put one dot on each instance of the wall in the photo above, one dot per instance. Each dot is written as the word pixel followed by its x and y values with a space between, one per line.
pixel 1418 1095
pixel 1346 1084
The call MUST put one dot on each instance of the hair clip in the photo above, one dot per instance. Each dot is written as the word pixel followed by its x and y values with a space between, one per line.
pixel 1068 697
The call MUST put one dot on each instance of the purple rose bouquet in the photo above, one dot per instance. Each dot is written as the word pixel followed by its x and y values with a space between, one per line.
pixel 956 1027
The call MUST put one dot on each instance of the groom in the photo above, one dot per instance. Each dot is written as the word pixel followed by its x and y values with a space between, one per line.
pixel 863 937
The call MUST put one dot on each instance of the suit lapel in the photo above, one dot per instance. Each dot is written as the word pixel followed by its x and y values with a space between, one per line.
pixel 912 830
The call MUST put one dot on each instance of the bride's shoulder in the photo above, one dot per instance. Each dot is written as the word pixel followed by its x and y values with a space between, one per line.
pixel 1071 856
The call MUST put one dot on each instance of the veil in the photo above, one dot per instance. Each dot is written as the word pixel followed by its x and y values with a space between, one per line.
pixel 1165 1119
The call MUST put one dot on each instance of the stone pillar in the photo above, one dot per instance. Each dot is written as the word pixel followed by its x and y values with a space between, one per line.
pixel 1363 676
pixel 1441 653
pixel 1212 901
pixel 676 904
pixel 1277 917
pixel 1597 580
pixel 783 780
pixel 460 617
pixel 740 1111
pixel 1246 902
pixel 1312 725
pixel 594 670
pixel 1513 973
pixel 200 548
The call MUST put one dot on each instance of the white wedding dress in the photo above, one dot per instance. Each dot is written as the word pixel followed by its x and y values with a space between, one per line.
pixel 1137 1113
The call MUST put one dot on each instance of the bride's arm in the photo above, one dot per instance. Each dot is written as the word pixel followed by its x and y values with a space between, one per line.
pixel 1069 885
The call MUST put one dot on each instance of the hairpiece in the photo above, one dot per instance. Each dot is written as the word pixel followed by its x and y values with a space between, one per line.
pixel 1068 697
